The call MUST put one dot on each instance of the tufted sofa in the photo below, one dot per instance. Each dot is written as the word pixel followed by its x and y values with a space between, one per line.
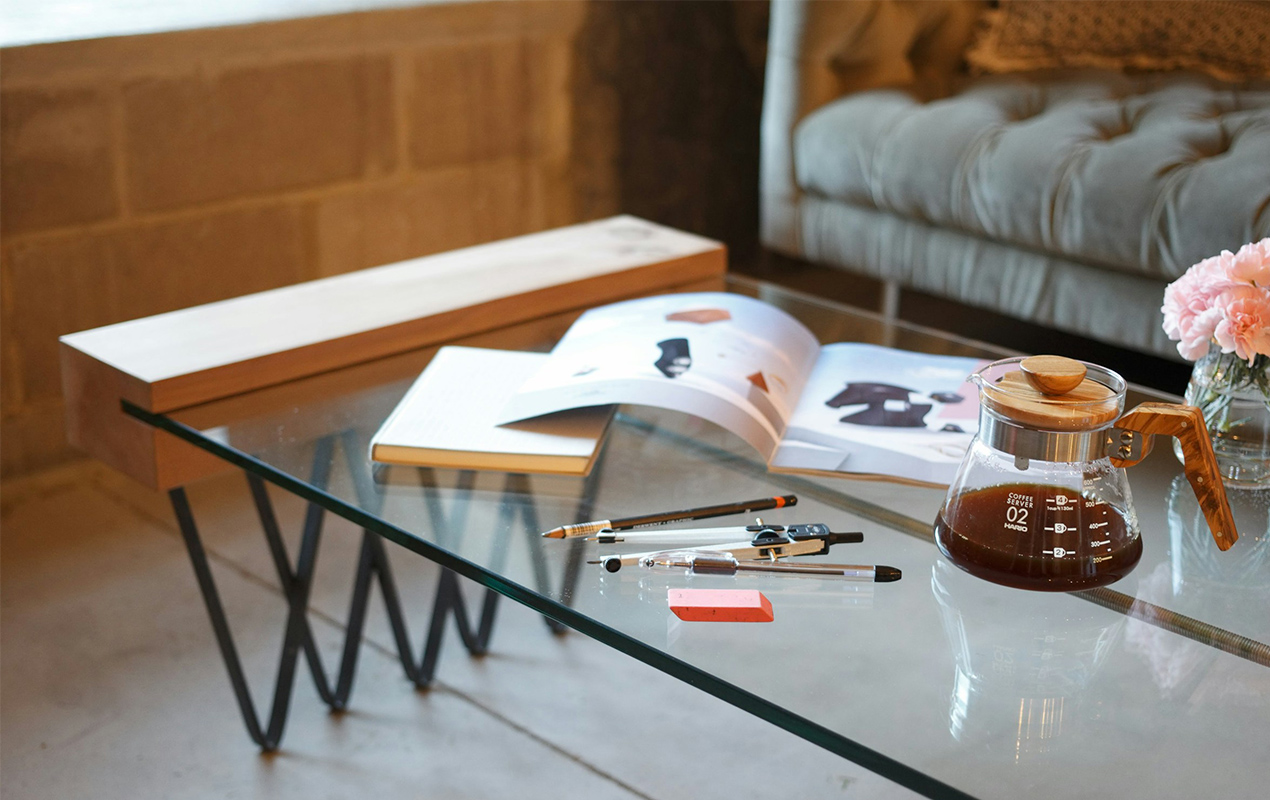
pixel 1065 198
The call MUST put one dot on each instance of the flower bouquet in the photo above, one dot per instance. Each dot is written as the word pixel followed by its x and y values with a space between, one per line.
pixel 1219 313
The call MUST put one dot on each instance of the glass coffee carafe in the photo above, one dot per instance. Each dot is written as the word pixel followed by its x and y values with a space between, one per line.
pixel 1041 500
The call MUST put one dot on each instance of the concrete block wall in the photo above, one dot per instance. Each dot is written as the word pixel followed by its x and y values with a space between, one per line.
pixel 148 173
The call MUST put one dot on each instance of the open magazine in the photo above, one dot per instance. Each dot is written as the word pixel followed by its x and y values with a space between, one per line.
pixel 759 373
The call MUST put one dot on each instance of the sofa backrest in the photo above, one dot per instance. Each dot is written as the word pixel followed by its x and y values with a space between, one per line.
pixel 819 51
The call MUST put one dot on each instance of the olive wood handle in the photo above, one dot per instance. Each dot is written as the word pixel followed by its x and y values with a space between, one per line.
pixel 1186 423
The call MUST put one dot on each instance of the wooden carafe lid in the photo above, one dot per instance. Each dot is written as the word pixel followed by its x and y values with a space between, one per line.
pixel 1052 393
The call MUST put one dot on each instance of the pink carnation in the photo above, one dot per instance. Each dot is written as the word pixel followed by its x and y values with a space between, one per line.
pixel 1195 339
pixel 1224 298
pixel 1214 274
pixel 1181 303
pixel 1245 325
pixel 1252 264
pixel 1189 315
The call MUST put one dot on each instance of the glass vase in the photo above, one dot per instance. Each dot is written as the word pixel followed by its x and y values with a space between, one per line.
pixel 1234 397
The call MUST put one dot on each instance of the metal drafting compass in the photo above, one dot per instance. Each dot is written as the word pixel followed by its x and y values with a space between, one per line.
pixel 743 543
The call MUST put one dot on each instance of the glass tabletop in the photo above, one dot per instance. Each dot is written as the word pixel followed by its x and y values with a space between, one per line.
pixel 949 685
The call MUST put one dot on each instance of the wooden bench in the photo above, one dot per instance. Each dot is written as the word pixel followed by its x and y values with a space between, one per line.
pixel 188 358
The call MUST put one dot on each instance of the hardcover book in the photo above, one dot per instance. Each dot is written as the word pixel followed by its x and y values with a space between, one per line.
pixel 449 416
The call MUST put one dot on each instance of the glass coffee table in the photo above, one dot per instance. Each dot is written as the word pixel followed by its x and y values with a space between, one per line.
pixel 1158 685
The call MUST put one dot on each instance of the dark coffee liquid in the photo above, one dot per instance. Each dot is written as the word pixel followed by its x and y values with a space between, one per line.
pixel 1031 536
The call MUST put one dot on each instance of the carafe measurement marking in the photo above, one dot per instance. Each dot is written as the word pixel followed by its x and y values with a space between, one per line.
pixel 1060 502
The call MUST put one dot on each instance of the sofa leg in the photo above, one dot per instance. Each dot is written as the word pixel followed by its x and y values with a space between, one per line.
pixel 890 310
pixel 890 300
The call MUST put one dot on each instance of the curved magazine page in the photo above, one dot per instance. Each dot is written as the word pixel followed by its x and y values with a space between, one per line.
pixel 877 410
pixel 730 359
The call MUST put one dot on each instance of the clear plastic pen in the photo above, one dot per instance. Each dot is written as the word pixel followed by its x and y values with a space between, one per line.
pixel 672 537
pixel 715 563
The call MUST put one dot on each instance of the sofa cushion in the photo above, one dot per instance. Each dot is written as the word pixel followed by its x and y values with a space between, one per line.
pixel 1143 174
pixel 1113 307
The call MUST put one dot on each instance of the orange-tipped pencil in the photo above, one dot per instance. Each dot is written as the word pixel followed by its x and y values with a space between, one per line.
pixel 589 528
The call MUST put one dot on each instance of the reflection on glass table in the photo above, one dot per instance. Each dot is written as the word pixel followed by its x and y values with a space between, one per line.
pixel 1022 669
pixel 1220 588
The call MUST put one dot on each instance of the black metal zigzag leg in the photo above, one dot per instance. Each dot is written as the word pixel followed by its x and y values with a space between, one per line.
pixel 198 557
pixel 448 599
pixel 584 512
pixel 517 500
pixel 296 583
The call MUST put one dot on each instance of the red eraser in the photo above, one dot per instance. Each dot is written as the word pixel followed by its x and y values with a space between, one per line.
pixel 720 605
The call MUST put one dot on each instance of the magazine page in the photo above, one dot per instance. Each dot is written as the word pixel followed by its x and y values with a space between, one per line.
pixel 877 410
pixel 730 359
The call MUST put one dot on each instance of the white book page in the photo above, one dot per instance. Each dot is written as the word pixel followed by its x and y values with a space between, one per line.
pixel 880 410
pixel 733 360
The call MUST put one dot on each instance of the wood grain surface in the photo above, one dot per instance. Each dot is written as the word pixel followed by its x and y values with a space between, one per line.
pixel 1090 405
pixel 199 355
pixel 1186 424
pixel 1052 375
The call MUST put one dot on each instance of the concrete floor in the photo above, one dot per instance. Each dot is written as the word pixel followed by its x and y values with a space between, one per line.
pixel 112 685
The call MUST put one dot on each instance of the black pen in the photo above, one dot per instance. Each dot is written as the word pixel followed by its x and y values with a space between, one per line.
pixel 588 528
